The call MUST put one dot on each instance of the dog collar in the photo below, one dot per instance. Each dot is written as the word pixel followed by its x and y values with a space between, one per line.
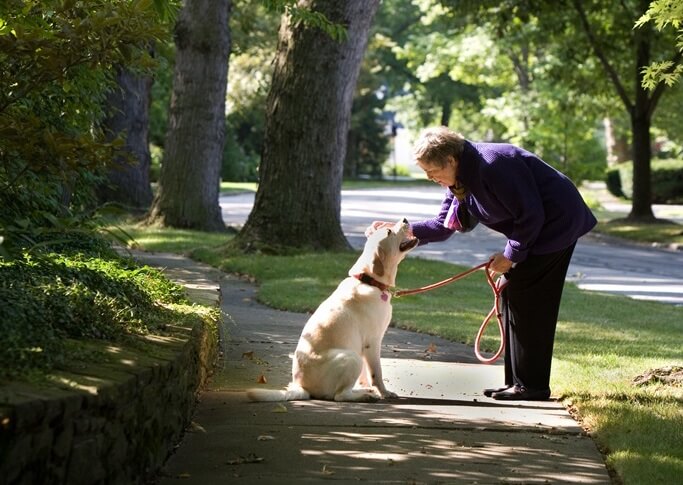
pixel 369 280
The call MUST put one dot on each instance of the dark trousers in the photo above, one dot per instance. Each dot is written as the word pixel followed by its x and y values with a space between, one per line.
pixel 530 306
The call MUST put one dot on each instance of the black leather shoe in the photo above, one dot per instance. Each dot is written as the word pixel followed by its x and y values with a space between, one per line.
pixel 489 392
pixel 519 393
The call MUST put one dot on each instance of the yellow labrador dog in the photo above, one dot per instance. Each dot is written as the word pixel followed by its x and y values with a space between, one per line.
pixel 338 354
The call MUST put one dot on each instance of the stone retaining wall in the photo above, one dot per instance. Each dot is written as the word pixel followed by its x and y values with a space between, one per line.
pixel 108 424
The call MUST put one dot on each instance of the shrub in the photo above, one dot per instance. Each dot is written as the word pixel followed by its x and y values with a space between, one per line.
pixel 667 181
pixel 613 181
pixel 86 292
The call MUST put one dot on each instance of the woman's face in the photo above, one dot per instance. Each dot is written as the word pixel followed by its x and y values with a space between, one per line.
pixel 444 176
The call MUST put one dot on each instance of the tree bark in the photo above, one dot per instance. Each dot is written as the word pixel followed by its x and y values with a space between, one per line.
pixel 189 181
pixel 308 111
pixel 128 183
pixel 641 201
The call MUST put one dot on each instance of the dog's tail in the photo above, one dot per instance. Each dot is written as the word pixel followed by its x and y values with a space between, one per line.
pixel 292 393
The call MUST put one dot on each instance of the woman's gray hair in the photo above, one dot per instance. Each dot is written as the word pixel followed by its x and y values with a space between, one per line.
pixel 435 145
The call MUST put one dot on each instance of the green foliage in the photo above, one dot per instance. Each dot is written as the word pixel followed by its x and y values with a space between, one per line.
pixel 38 209
pixel 254 31
pixel 663 13
pixel 240 157
pixel 666 71
pixel 368 141
pixel 312 18
pixel 613 182
pixel 494 71
pixel 56 65
pixel 161 92
pixel 76 289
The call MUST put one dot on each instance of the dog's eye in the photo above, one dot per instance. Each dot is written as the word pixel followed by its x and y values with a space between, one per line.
pixel 388 232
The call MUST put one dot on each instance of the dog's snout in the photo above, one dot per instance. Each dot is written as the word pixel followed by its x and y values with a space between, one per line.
pixel 405 221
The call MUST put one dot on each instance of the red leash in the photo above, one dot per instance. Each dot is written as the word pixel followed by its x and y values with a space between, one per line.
pixel 496 287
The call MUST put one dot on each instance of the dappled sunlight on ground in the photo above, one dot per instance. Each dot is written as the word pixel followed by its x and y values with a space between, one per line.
pixel 401 440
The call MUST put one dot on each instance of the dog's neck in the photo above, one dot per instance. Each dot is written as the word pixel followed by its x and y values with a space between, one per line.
pixel 369 280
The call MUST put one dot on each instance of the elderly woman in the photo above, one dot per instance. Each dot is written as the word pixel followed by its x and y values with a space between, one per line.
pixel 542 214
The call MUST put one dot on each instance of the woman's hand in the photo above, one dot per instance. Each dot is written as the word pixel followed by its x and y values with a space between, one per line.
pixel 499 263
pixel 377 225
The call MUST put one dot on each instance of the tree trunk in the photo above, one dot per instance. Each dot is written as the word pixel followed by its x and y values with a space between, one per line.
pixel 308 111
pixel 351 157
pixel 128 183
pixel 189 182
pixel 641 208
pixel 640 111
pixel 446 110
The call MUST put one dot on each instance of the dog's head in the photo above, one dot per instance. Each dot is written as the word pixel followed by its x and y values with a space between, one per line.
pixel 384 250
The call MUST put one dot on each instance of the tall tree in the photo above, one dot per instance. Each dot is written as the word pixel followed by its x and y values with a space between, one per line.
pixel 190 172
pixel 298 202
pixel 128 105
pixel 639 103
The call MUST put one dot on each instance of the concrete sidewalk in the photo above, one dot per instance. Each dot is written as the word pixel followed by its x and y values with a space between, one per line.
pixel 440 429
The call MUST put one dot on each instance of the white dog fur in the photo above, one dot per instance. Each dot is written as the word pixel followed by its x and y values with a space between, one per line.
pixel 338 354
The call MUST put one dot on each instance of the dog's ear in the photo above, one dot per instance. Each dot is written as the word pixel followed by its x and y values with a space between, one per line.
pixel 377 262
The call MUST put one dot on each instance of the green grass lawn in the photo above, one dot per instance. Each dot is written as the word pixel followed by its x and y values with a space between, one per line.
pixel 663 233
pixel 660 233
pixel 229 188
pixel 603 342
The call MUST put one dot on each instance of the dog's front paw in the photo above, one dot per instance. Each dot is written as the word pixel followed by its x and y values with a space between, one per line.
pixel 387 394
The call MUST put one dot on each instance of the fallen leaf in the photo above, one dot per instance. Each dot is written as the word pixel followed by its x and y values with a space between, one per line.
pixel 248 355
pixel 431 348
pixel 325 471
pixel 250 458
pixel 196 427
pixel 261 379
pixel 183 475
pixel 265 437
pixel 279 408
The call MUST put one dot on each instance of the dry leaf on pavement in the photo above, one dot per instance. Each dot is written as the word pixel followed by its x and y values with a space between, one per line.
pixel 250 458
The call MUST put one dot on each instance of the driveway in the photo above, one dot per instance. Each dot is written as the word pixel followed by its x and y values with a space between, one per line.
pixel 598 264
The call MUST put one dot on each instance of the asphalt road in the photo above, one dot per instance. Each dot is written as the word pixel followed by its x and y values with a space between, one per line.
pixel 598 264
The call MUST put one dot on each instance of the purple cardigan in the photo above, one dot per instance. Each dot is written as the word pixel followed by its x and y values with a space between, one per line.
pixel 514 192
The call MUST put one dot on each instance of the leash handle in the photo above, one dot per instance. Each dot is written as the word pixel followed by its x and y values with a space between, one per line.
pixel 497 289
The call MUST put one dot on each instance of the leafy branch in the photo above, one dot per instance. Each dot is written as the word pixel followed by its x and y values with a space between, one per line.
pixel 664 13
